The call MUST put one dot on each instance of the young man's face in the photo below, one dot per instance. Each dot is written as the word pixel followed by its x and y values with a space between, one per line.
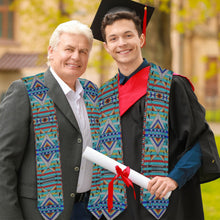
pixel 123 43
pixel 69 58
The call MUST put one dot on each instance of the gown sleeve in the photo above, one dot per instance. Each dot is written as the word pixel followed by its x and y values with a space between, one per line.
pixel 187 166
pixel 187 126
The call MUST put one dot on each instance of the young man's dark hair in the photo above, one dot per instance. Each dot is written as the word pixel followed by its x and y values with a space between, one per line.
pixel 110 18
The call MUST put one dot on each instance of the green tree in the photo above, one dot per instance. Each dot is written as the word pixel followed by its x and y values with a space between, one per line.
pixel 39 18
pixel 158 42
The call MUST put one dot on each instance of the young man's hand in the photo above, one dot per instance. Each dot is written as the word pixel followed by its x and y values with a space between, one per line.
pixel 160 186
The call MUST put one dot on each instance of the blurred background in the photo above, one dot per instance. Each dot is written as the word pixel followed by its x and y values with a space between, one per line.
pixel 183 36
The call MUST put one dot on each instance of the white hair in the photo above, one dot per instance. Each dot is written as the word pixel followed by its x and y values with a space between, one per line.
pixel 71 27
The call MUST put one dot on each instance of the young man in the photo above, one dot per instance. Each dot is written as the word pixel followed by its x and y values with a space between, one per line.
pixel 45 123
pixel 151 121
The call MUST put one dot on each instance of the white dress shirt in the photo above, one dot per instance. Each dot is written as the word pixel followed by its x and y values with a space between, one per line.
pixel 76 101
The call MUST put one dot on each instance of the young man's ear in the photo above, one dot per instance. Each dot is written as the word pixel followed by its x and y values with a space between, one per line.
pixel 106 46
pixel 142 40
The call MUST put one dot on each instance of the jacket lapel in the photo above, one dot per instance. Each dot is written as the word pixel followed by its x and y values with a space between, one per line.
pixel 56 94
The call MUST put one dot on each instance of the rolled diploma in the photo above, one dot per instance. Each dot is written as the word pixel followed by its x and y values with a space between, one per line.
pixel 110 164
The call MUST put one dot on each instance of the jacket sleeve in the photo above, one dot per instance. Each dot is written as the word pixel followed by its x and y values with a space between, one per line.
pixel 14 131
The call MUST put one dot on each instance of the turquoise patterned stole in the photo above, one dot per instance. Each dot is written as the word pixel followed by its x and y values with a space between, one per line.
pixel 48 165
pixel 154 144
pixel 91 99
pixel 155 136
pixel 49 176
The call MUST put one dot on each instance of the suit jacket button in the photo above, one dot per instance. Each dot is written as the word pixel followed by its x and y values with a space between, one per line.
pixel 76 169
pixel 79 140
pixel 72 195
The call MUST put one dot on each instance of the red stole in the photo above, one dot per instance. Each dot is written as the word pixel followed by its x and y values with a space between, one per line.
pixel 133 89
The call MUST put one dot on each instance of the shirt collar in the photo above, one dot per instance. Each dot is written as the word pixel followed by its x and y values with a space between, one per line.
pixel 123 79
pixel 66 89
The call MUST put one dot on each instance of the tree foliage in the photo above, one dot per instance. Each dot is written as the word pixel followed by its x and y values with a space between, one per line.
pixel 196 12
pixel 39 18
pixel 190 12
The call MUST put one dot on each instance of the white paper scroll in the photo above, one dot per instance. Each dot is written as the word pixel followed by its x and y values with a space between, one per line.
pixel 109 164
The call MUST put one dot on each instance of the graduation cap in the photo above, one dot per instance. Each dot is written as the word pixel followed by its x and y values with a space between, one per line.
pixel 111 6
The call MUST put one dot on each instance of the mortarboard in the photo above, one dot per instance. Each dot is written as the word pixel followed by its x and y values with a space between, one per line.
pixel 108 6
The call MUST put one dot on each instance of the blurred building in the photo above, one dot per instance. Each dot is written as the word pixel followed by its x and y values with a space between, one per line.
pixel 196 55
pixel 16 60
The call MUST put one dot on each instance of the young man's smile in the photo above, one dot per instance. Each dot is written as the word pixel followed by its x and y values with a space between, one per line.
pixel 124 44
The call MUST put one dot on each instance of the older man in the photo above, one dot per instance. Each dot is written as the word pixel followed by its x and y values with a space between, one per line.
pixel 46 120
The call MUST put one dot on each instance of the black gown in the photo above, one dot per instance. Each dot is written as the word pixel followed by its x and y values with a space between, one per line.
pixel 187 126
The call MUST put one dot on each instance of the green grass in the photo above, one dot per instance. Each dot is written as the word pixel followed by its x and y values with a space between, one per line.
pixel 213 115
pixel 211 195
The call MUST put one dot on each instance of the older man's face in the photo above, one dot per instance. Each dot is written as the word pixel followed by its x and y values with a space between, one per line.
pixel 69 58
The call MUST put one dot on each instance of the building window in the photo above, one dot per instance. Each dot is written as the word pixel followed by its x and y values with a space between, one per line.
pixel 211 82
pixel 6 20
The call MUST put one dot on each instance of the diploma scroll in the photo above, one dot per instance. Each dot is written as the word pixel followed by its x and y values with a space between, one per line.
pixel 110 164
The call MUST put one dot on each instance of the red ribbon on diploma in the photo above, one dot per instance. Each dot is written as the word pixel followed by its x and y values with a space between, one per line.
pixel 124 175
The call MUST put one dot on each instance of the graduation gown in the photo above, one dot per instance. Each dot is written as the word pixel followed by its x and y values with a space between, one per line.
pixel 187 126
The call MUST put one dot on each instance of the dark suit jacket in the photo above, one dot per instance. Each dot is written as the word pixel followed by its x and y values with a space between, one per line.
pixel 18 189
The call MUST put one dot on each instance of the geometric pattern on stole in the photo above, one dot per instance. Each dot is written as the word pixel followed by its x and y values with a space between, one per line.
pixel 109 143
pixel 49 176
pixel 155 136
pixel 90 98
